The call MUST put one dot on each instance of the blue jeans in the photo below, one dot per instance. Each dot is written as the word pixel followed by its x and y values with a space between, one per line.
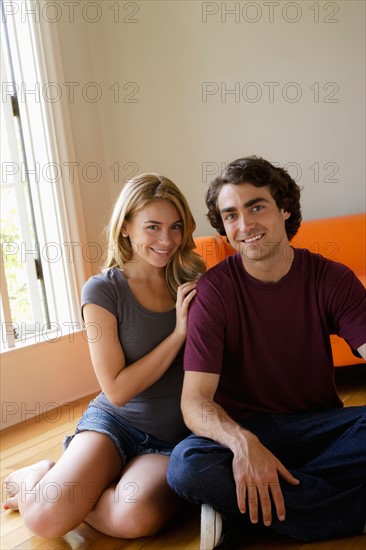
pixel 326 451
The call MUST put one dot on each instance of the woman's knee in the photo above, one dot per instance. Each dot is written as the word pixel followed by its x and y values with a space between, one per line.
pixel 50 512
pixel 45 521
pixel 132 522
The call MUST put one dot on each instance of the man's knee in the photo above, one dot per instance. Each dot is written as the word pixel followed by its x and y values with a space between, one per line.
pixel 178 468
pixel 194 462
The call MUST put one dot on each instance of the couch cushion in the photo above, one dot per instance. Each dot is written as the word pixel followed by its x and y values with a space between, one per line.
pixel 342 239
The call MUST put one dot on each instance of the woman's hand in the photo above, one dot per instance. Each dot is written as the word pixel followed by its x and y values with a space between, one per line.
pixel 185 295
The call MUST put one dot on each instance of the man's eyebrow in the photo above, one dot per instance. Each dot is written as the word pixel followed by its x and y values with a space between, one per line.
pixel 247 204
pixel 252 202
pixel 227 209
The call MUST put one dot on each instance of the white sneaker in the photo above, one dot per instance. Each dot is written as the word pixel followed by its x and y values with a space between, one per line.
pixel 211 528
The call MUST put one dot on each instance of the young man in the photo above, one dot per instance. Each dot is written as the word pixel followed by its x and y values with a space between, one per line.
pixel 272 444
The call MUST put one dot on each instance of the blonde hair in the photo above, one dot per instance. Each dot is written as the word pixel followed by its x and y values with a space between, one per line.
pixel 137 193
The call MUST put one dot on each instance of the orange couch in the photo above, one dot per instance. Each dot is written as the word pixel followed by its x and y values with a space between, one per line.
pixel 342 239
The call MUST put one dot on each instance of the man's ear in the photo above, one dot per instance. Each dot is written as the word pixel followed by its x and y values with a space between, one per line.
pixel 286 214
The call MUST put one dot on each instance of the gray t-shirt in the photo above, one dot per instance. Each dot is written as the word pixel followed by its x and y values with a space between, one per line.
pixel 156 410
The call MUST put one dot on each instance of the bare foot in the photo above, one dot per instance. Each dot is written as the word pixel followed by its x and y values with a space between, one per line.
pixel 14 481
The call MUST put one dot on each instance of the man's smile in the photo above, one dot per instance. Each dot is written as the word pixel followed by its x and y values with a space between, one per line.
pixel 252 238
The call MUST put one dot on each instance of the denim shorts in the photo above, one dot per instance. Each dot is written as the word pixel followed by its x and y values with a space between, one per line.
pixel 129 441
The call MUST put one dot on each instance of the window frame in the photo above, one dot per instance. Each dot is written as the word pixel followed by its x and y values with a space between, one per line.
pixel 57 202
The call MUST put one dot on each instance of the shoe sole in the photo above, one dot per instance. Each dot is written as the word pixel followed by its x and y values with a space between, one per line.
pixel 209 538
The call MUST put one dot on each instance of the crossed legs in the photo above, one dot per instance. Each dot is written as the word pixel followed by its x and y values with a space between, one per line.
pixel 326 451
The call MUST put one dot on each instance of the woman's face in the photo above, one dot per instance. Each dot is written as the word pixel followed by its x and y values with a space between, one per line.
pixel 155 232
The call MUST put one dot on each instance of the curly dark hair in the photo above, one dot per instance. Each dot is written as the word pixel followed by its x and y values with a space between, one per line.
pixel 258 172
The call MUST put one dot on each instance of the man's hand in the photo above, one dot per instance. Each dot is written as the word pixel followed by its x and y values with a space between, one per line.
pixel 256 472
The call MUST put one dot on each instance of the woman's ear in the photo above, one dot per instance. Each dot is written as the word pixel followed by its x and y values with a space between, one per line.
pixel 124 230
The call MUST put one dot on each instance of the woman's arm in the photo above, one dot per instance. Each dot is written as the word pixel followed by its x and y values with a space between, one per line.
pixel 121 384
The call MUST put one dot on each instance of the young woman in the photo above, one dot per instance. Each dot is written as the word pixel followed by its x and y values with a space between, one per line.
pixel 113 471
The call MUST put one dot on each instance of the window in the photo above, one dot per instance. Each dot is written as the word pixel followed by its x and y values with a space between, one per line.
pixel 24 298
pixel 40 218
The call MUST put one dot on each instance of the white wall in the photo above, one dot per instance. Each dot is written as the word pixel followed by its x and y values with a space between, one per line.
pixel 163 71
pixel 80 92
pixel 38 378
pixel 178 128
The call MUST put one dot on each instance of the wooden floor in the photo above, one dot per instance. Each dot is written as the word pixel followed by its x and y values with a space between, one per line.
pixel 41 438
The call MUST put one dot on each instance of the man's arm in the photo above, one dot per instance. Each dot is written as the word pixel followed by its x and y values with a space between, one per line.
pixel 255 468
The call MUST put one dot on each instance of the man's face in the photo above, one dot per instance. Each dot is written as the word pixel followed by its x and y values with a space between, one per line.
pixel 253 223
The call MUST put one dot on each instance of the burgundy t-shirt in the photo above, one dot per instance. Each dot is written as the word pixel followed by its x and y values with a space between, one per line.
pixel 270 342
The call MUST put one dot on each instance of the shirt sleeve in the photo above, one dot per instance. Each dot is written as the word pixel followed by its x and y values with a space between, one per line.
pixel 347 305
pixel 206 331
pixel 99 291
